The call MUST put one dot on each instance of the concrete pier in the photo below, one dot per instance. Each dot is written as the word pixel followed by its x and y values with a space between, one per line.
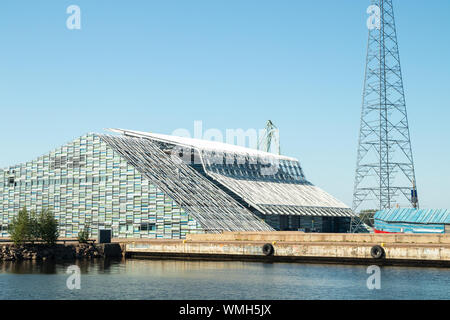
pixel 401 249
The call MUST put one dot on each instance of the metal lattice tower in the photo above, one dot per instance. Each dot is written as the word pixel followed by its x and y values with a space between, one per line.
pixel 270 138
pixel 385 167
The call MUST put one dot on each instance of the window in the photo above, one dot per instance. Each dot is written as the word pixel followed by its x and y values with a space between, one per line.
pixel 147 227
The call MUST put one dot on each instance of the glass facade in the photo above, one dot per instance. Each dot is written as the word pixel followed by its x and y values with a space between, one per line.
pixel 87 183
pixel 136 188
pixel 253 168
pixel 274 188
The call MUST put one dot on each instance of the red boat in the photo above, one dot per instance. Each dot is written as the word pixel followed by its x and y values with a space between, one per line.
pixel 379 231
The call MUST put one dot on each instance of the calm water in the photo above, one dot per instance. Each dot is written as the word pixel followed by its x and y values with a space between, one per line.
pixel 150 279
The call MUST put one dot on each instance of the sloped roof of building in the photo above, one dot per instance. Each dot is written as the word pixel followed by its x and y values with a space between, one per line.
pixel 422 216
pixel 285 193
pixel 200 144
pixel 302 199
pixel 210 206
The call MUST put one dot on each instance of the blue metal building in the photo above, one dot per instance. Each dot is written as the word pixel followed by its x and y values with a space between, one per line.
pixel 412 221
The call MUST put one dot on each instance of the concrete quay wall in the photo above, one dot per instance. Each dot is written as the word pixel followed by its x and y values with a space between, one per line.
pixel 336 248
pixel 293 236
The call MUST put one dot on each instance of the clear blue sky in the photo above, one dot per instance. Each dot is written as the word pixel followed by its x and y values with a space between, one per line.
pixel 160 65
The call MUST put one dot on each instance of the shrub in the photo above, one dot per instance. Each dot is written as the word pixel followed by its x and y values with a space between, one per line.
pixel 83 235
pixel 27 226
pixel 35 233
pixel 48 227
pixel 21 227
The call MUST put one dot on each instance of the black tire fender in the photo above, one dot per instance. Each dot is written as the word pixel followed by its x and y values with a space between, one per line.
pixel 268 249
pixel 377 252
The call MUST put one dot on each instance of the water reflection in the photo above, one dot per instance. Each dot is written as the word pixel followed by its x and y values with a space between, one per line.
pixel 137 266
pixel 183 267
pixel 28 267
pixel 51 267
pixel 177 279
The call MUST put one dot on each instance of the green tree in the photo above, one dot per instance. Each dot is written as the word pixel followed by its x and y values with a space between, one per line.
pixel 21 227
pixel 48 227
pixel 83 235
pixel 35 233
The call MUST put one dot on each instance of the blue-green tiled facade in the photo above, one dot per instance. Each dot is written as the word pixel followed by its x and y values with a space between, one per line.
pixel 87 183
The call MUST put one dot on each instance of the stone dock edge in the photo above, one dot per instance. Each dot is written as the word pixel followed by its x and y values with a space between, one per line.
pixel 359 249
